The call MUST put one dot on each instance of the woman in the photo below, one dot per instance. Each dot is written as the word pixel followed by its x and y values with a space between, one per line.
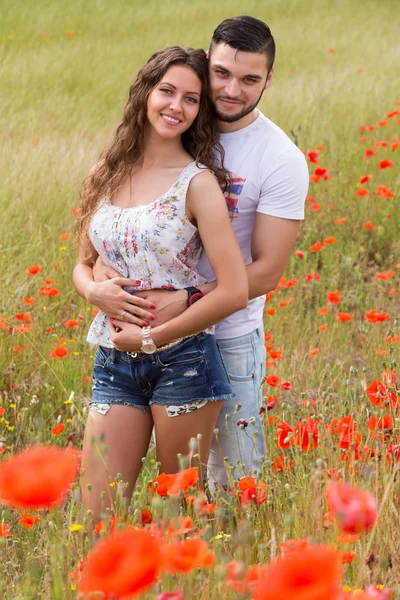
pixel 147 208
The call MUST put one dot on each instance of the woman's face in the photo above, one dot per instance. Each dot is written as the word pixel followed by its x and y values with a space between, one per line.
pixel 174 103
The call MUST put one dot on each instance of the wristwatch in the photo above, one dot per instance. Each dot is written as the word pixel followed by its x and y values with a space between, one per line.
pixel 148 346
pixel 194 294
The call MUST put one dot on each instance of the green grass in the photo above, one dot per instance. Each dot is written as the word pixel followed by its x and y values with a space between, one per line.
pixel 61 97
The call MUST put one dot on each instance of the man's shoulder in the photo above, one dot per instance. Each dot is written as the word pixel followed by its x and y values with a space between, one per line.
pixel 277 140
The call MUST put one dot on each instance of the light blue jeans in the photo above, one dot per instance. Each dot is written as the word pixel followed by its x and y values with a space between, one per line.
pixel 238 451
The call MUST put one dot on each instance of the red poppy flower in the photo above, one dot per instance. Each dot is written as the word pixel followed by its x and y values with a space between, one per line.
pixel 342 317
pixel 369 225
pixel 5 530
pixel 272 380
pixel 28 521
pixel 355 511
pixel 286 385
pixel 59 352
pixel 374 317
pixel 49 291
pixel 385 164
pixel 369 152
pixel 282 463
pixel 317 247
pixel 329 240
pixel 112 522
pixel 34 270
pixel 313 276
pixel 313 573
pixel 145 516
pixel 71 323
pixel 124 563
pixel 380 395
pixel 183 481
pixel 384 192
pixel 333 297
pixel 362 192
pixel 312 156
pixel 284 435
pixel 348 557
pixel 161 484
pixel 385 422
pixel 305 434
pixel 58 429
pixel 385 275
pixel 365 179
pixel 38 477
pixel 185 556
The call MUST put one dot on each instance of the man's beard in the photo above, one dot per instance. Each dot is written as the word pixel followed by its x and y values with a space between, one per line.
pixel 233 118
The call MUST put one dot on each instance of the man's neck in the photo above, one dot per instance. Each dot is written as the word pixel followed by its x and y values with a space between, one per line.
pixel 224 127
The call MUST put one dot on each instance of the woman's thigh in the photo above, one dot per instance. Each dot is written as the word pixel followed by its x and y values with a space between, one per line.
pixel 174 435
pixel 114 443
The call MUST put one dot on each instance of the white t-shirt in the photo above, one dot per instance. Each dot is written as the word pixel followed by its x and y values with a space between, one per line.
pixel 270 176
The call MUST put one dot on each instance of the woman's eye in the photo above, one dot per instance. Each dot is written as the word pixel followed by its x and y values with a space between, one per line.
pixel 193 100
pixel 165 90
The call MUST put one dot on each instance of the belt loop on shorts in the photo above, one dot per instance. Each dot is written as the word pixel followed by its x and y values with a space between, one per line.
pixel 112 357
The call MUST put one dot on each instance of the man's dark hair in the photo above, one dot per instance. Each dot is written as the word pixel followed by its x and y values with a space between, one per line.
pixel 246 34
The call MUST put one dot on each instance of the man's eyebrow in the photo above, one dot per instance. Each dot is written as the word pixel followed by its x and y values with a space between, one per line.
pixel 249 75
pixel 171 85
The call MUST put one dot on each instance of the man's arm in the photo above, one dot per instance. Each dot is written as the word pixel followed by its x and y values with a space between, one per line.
pixel 272 242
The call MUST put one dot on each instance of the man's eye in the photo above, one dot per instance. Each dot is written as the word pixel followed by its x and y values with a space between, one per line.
pixel 222 73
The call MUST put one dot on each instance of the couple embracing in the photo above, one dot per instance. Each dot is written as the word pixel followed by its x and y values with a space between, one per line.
pixel 187 220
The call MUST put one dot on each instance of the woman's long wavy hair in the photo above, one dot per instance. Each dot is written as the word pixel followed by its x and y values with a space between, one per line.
pixel 127 145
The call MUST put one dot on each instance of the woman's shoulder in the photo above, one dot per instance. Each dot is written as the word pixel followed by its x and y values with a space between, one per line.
pixel 202 181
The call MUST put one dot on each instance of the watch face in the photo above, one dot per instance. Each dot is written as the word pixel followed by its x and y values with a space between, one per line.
pixel 148 347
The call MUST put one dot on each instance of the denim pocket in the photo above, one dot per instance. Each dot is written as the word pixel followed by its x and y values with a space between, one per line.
pixel 102 357
pixel 241 378
pixel 187 351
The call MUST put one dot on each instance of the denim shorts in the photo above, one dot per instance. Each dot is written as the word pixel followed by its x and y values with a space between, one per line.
pixel 180 378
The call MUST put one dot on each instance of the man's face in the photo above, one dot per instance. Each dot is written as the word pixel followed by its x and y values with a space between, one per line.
pixel 238 80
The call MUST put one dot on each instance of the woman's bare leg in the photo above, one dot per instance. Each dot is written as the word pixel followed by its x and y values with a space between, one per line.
pixel 173 435
pixel 114 443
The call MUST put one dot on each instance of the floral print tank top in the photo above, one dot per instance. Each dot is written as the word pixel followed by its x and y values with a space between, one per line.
pixel 154 243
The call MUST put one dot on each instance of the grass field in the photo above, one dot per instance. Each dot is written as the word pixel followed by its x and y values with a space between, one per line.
pixel 65 69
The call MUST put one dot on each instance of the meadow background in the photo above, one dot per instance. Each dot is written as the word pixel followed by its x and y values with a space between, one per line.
pixel 65 70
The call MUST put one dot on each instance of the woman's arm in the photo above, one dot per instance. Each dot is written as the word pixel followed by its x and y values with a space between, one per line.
pixel 107 295
pixel 206 205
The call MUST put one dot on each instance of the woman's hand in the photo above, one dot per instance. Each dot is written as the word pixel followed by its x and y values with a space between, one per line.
pixel 124 336
pixel 111 298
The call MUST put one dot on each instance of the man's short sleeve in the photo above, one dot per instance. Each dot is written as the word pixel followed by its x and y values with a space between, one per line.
pixel 284 185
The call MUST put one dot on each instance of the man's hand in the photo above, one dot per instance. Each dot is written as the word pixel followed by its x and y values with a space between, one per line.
pixel 102 273
pixel 169 304
pixel 111 298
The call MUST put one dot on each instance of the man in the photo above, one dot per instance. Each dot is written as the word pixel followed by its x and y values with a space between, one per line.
pixel 266 203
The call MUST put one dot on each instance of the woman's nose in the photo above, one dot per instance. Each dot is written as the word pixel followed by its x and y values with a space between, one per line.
pixel 175 104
